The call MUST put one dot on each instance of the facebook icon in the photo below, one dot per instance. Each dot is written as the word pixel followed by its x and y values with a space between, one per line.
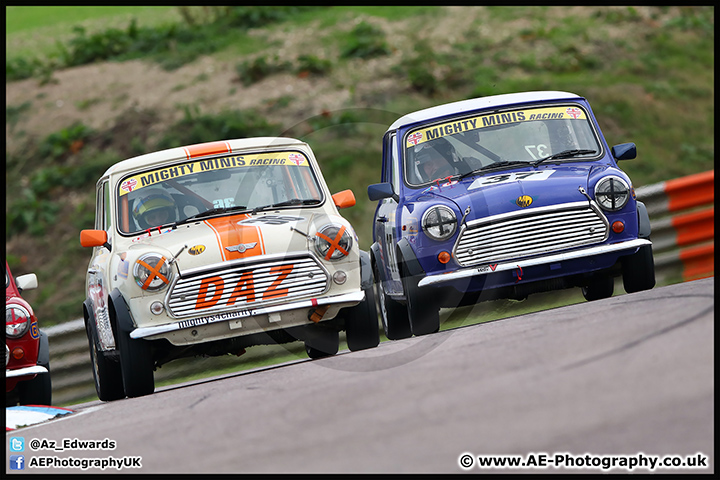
pixel 17 462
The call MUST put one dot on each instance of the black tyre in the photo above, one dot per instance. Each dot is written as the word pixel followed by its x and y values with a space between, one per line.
pixel 422 309
pixel 320 341
pixel 106 372
pixel 393 315
pixel 639 270
pixel 136 361
pixel 598 288
pixel 37 391
pixel 361 323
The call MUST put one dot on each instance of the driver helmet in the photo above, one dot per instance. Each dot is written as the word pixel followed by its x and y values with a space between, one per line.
pixel 154 208
pixel 433 162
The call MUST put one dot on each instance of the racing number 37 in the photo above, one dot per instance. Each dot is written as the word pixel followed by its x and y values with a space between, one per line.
pixel 244 288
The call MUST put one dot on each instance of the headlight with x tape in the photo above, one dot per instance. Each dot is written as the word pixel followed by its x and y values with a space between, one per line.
pixel 333 242
pixel 152 272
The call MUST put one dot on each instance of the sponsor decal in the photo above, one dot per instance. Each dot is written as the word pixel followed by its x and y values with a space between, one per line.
pixel 153 177
pixel 510 177
pixel 220 317
pixel 197 250
pixel 34 330
pixel 212 289
pixel 487 268
pixel 415 138
pixel 128 185
pixel 271 220
pixel 296 159
pixel 524 201
pixel 493 119
pixel 574 112
pixel 123 266
pixel 412 226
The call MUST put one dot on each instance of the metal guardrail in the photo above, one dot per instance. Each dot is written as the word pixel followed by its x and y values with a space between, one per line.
pixel 682 219
pixel 683 248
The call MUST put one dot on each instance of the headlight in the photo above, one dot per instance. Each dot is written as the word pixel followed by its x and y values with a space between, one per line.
pixel 612 193
pixel 17 321
pixel 439 222
pixel 152 272
pixel 333 242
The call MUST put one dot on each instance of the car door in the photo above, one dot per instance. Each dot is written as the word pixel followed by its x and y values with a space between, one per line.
pixel 97 270
pixel 387 216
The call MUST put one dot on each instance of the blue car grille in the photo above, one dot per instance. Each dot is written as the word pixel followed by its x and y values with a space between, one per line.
pixel 528 233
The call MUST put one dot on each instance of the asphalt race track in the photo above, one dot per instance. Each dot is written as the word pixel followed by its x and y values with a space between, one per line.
pixel 629 376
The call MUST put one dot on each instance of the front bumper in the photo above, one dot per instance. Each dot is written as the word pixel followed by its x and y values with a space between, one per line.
pixel 465 273
pixel 26 371
pixel 349 298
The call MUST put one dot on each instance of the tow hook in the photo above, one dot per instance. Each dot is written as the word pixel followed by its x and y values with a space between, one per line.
pixel 316 315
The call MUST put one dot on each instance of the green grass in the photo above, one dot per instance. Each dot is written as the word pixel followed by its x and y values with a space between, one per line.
pixel 34 31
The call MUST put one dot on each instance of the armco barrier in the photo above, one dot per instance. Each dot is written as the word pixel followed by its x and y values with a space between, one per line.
pixel 682 218
pixel 683 248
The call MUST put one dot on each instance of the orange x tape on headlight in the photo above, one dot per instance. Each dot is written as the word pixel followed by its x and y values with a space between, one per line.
pixel 333 242
pixel 152 272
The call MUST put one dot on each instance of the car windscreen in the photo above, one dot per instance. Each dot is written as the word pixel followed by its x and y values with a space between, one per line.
pixel 465 144
pixel 233 183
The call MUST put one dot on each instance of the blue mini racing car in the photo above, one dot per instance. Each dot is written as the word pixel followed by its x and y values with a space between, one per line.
pixel 502 197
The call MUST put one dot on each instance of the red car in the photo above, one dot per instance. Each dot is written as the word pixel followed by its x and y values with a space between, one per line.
pixel 27 352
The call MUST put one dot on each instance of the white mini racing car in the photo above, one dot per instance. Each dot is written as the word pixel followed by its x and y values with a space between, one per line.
pixel 208 249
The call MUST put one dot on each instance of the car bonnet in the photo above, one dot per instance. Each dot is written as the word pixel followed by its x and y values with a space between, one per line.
pixel 510 190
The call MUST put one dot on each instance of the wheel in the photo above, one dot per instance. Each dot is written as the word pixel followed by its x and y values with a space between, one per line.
pixel 320 341
pixel 37 391
pixel 598 288
pixel 639 270
pixel 393 315
pixel 136 365
pixel 361 323
pixel 422 310
pixel 106 372
pixel 136 361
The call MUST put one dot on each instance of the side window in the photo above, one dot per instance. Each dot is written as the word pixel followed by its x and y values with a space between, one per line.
pixel 107 214
pixel 391 173
pixel 99 215
pixel 102 214
pixel 394 166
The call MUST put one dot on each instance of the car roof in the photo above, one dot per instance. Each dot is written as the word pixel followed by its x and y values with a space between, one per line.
pixel 202 150
pixel 479 103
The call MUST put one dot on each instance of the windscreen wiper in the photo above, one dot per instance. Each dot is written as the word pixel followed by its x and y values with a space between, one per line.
pixel 564 154
pixel 502 164
pixel 286 203
pixel 212 211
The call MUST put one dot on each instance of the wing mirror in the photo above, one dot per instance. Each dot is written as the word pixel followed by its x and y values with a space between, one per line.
pixel 378 191
pixel 344 199
pixel 624 151
pixel 94 238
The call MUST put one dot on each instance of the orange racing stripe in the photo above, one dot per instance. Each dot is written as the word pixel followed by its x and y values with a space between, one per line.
pixel 209 148
pixel 229 233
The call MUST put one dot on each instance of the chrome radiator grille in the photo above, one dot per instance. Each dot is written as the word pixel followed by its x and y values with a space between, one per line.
pixel 246 285
pixel 528 233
